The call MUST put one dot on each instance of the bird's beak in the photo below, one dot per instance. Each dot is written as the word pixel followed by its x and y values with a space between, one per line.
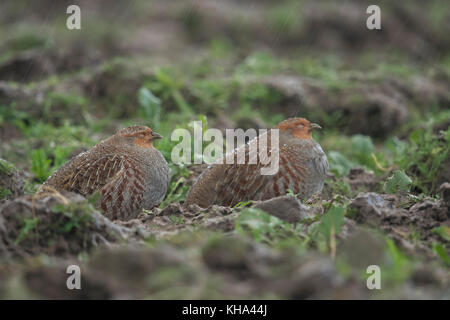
pixel 315 126
pixel 156 135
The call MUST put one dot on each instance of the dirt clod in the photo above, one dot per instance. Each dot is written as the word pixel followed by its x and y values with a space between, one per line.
pixel 57 224
pixel 287 208
pixel 420 220
pixel 358 179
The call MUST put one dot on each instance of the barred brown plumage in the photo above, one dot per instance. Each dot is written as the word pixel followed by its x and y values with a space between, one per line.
pixel 302 168
pixel 126 169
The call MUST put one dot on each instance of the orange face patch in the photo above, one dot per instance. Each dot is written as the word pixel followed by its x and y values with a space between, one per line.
pixel 144 142
pixel 301 128
pixel 303 133
pixel 143 138
pixel 293 123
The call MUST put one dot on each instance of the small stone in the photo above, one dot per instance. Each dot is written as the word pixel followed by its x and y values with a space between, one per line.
pixel 445 193
pixel 286 208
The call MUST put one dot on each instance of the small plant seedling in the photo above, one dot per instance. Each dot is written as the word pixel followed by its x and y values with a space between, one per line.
pixel 264 227
pixel 4 193
pixel 28 225
pixel 150 106
pixel 443 232
pixel 6 167
pixel 40 165
pixel 439 250
pixel 339 164
pixel 176 219
pixel 362 148
pixel 242 204
pixel 331 225
pixel 398 182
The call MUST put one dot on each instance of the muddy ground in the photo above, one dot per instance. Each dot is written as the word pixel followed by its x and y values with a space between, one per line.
pixel 382 97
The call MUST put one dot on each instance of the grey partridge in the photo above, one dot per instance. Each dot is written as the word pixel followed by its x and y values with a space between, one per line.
pixel 303 167
pixel 128 171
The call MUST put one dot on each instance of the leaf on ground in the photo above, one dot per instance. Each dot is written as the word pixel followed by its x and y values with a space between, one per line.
pixel 443 232
pixel 339 164
pixel 333 219
pixel 398 182
pixel 439 249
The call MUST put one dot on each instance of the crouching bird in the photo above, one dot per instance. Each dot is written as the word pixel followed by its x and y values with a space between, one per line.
pixel 303 167
pixel 129 173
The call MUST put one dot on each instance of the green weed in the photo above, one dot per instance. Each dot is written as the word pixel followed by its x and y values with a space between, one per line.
pixel 28 225
pixel 4 193
pixel 443 232
pixel 167 86
pixel 40 165
pixel 10 115
pixel 397 183
pixel 150 107
pixel 330 225
pixel 263 227
pixel 176 219
pixel 439 250
pixel 339 164
pixel 6 167
pixel 398 266
pixel 75 217
pixel 422 157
